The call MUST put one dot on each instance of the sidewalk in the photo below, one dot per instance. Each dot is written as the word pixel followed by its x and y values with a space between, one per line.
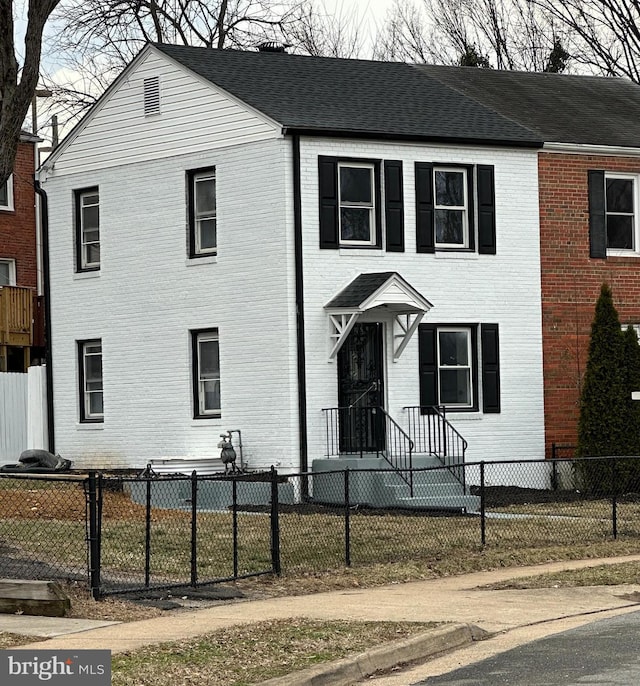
pixel 453 599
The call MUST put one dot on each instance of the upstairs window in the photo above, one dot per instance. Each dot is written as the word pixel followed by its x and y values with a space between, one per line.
pixel 620 210
pixel 206 373
pixel 613 214
pixel 203 233
pixel 87 229
pixel 350 207
pixel 90 373
pixel 357 204
pixel 451 208
pixel 6 194
pixel 455 208
pixel 7 272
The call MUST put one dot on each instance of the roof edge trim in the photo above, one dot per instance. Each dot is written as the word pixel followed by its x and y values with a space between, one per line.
pixel 589 149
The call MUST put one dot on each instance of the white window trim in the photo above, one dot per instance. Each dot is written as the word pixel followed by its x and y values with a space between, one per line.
pixel 12 271
pixel 88 415
pixel 82 243
pixel 618 252
pixel 9 206
pixel 195 220
pixel 469 332
pixel 465 208
pixel 205 336
pixel 371 207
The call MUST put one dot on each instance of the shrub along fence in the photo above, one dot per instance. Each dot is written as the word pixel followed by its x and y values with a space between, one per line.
pixel 126 533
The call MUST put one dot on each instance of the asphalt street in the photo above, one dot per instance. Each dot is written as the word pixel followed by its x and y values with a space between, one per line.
pixel 605 652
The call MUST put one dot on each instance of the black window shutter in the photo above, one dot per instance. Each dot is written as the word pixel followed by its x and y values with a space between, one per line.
pixel 597 219
pixel 328 189
pixel 486 210
pixel 393 206
pixel 378 212
pixel 428 365
pixel 425 238
pixel 490 368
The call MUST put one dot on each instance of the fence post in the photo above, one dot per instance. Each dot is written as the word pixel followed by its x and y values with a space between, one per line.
pixel 94 542
pixel 275 523
pixel 347 520
pixel 483 519
pixel 194 528
pixel 147 530
pixel 554 471
pixel 234 501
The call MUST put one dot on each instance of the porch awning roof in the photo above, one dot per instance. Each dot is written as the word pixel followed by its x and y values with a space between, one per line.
pixel 379 289
pixel 384 290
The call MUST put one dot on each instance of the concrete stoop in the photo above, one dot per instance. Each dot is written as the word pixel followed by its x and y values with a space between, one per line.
pixel 351 670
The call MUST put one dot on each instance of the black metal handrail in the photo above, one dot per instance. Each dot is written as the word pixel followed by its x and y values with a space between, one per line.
pixel 432 433
pixel 369 431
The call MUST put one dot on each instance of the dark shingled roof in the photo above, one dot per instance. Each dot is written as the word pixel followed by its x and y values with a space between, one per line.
pixel 360 289
pixel 351 97
pixel 591 110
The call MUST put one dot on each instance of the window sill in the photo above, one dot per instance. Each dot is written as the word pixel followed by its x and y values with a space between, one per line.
pixel 90 426
pixel 464 416
pixel 93 274
pixel 456 255
pixel 7 209
pixel 205 421
pixel 623 254
pixel 364 252
pixel 195 261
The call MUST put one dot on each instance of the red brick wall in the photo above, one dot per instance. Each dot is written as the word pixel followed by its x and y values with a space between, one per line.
pixel 18 228
pixel 571 283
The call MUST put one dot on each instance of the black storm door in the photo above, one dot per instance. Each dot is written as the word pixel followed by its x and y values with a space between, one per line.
pixel 360 390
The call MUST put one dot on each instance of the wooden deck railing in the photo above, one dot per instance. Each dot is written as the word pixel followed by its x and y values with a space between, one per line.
pixel 16 316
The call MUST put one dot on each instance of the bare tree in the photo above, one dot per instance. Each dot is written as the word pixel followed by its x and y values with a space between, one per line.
pixel 18 82
pixel 505 34
pixel 321 33
pixel 97 38
pixel 605 34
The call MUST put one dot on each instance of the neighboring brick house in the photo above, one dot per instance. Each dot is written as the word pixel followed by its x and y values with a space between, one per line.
pixel 589 184
pixel 20 324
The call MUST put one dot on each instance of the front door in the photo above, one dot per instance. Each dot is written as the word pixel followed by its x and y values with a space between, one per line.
pixel 360 390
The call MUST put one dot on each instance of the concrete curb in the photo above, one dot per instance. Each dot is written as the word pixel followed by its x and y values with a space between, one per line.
pixel 350 670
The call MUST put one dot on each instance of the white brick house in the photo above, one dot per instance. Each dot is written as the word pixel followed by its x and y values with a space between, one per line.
pixel 220 220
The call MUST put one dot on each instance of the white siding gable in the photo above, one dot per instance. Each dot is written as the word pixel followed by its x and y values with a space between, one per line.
pixel 194 115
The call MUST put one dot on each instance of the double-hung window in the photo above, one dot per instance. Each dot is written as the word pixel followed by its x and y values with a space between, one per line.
pixel 90 376
pixel 6 194
pixel 206 373
pixel 455 383
pixel 7 272
pixel 203 239
pixel 451 207
pixel 621 212
pixel 357 204
pixel 350 207
pixel 459 367
pixel 87 203
pixel 455 208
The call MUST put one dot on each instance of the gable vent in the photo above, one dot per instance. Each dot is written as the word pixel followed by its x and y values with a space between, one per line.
pixel 152 95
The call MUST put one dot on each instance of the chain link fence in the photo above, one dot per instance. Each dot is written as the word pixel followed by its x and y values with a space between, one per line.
pixel 128 533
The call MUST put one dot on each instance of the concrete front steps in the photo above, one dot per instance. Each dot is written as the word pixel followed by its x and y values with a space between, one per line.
pixel 374 483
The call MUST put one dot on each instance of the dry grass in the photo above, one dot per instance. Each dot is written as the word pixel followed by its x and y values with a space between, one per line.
pixel 244 655
pixel 624 573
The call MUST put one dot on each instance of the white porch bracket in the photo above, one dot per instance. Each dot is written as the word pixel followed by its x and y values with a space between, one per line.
pixel 404 326
pixel 341 325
